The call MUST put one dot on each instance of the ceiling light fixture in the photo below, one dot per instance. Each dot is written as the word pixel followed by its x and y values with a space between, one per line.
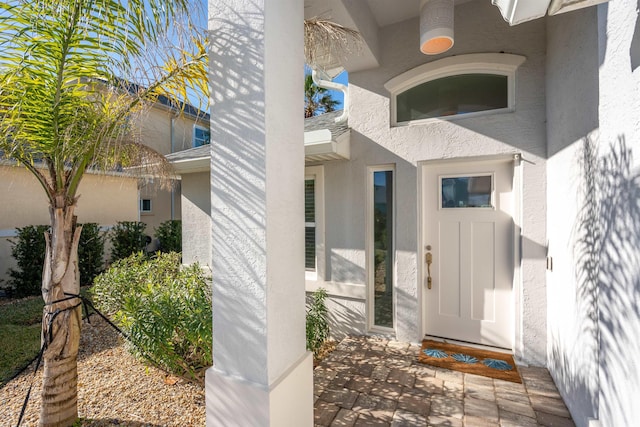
pixel 436 26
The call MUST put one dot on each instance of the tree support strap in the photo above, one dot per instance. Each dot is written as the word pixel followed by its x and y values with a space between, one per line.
pixel 86 303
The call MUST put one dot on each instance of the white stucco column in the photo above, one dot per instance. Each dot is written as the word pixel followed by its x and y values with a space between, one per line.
pixel 262 375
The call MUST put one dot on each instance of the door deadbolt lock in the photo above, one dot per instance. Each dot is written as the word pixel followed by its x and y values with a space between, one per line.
pixel 429 260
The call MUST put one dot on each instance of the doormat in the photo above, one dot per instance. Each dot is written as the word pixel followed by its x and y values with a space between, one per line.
pixel 469 360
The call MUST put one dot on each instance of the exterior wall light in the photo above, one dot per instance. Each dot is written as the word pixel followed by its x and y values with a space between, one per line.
pixel 436 26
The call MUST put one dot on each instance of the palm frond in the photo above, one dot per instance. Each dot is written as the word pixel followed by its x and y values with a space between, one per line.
pixel 137 160
pixel 62 68
pixel 326 42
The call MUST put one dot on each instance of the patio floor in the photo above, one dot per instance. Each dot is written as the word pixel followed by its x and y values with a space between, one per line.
pixel 368 381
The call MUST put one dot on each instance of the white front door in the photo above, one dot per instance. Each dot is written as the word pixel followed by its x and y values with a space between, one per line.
pixel 468 235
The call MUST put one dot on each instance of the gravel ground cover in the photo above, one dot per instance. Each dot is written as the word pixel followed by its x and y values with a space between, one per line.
pixel 114 389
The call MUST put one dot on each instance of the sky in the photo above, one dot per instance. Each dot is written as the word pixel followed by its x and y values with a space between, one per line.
pixel 337 95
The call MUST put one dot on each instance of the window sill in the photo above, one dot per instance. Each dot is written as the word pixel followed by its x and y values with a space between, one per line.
pixel 455 117
pixel 341 290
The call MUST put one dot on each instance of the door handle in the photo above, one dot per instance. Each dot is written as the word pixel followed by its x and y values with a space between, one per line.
pixel 429 260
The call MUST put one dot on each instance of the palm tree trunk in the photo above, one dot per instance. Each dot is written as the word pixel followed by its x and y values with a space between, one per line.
pixel 61 318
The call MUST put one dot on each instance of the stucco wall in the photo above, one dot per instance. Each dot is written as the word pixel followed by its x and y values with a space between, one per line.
pixel 103 199
pixel 165 205
pixel 479 29
pixel 618 189
pixel 166 132
pixel 572 111
pixel 155 129
pixel 593 211
pixel 196 214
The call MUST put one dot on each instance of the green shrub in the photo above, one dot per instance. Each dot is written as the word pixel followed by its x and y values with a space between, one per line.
pixel 169 233
pixel 91 252
pixel 317 322
pixel 163 308
pixel 127 237
pixel 28 251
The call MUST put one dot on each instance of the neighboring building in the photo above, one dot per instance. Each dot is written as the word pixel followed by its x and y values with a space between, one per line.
pixel 168 130
pixel 491 195
pixel 103 198
pixel 107 198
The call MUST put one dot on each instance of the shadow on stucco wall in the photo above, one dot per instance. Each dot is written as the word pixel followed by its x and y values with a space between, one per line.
pixel 579 362
pixel 346 317
pixel 618 293
pixel 607 238
pixel 634 49
pixel 343 270
pixel 238 194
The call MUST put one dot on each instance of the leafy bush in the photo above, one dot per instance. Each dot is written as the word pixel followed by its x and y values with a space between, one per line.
pixel 169 233
pixel 91 252
pixel 127 237
pixel 166 312
pixel 28 251
pixel 163 308
pixel 317 322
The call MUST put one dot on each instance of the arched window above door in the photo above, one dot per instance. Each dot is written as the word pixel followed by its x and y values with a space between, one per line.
pixel 454 87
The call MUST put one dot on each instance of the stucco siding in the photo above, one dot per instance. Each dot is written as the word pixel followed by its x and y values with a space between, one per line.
pixel 346 315
pixel 166 132
pixel 102 199
pixel 165 205
pixel 572 111
pixel 618 189
pixel 155 129
pixel 196 214
pixel 593 209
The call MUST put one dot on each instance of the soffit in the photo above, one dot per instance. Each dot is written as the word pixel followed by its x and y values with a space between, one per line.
pixel 367 16
pixel 387 12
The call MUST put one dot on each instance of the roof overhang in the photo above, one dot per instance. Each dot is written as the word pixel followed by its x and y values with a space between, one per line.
pixel 198 164
pixel 320 146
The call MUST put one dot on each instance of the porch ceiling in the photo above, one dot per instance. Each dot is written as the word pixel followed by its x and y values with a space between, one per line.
pixel 387 12
pixel 367 16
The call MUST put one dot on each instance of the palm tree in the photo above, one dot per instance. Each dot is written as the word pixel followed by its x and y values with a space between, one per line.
pixel 65 109
pixel 317 100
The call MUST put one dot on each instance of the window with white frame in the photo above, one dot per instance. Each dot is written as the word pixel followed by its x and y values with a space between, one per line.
pixel 201 136
pixel 454 87
pixel 145 205
pixel 314 223
pixel 380 247
pixel 452 95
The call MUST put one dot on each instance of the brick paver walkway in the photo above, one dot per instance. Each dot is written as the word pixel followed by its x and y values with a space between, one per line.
pixel 372 382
